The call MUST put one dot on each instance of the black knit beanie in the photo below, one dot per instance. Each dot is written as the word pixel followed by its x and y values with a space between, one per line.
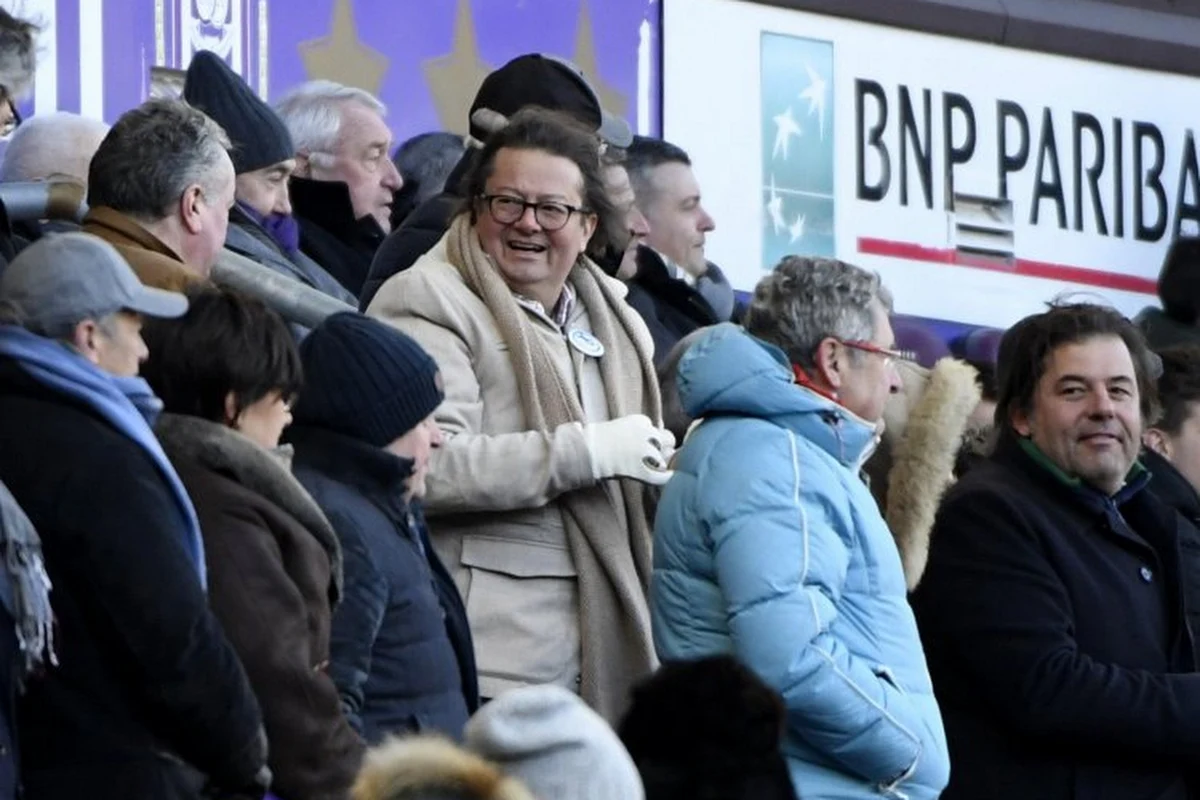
pixel 366 380
pixel 259 136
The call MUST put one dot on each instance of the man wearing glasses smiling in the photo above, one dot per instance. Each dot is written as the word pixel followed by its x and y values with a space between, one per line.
pixel 769 546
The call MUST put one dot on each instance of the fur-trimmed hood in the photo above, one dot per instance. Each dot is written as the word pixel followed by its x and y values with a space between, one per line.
pixel 925 429
pixel 431 768
pixel 225 450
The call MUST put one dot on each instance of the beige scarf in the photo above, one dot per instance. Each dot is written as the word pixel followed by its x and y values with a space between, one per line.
pixel 613 564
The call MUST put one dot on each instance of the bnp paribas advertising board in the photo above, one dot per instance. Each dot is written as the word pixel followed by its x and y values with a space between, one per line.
pixel 980 181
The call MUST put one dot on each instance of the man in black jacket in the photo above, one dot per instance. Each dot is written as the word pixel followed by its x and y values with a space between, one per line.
pixel 147 699
pixel 528 80
pixel 671 264
pixel 262 226
pixel 400 649
pixel 1173 457
pixel 345 182
pixel 1051 609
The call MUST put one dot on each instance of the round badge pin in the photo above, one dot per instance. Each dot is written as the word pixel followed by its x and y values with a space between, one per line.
pixel 585 343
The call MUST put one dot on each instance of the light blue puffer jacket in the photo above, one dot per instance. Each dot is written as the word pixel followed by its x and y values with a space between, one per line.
pixel 769 546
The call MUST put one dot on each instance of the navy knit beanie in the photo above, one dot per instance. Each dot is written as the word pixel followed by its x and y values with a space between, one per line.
pixel 366 380
pixel 259 137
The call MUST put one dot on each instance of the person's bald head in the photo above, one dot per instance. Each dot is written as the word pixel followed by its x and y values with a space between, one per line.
pixel 53 146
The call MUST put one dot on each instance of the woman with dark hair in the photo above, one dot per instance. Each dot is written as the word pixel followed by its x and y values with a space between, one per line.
pixel 227 372
pixel 552 418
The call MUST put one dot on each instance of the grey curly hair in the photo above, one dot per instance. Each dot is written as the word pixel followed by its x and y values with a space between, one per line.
pixel 805 300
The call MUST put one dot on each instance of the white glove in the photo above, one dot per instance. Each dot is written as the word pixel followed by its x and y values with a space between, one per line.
pixel 630 447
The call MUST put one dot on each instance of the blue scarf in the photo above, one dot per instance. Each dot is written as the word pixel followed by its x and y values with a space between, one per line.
pixel 127 404
pixel 283 229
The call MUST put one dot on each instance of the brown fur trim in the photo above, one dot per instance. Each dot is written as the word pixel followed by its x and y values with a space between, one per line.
pixel 924 458
pixel 224 450
pixel 913 379
pixel 421 766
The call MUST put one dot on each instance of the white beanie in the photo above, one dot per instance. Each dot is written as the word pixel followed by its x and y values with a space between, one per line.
pixel 549 739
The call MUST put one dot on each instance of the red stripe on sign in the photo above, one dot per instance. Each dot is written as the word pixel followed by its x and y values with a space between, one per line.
pixel 1022 266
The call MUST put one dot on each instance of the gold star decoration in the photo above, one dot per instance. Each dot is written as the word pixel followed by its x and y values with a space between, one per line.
pixel 341 57
pixel 454 78
pixel 613 101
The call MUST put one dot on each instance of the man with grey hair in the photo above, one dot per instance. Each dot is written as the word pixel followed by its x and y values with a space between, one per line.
pixel 769 546
pixel 160 188
pixel 345 182
pixel 148 698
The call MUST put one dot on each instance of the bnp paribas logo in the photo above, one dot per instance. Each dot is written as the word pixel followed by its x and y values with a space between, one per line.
pixel 796 83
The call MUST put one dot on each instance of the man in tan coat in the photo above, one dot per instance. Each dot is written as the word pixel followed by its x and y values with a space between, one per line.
pixel 160 188
pixel 538 500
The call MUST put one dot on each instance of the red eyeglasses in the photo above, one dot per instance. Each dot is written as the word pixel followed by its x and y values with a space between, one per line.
pixel 889 356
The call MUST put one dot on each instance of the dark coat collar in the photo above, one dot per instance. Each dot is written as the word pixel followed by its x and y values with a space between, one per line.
pixel 327 204
pixel 1169 484
pixel 655 277
pixel 375 472
pixel 1022 455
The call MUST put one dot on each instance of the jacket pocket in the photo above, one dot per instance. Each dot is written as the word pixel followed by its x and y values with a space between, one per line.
pixel 523 607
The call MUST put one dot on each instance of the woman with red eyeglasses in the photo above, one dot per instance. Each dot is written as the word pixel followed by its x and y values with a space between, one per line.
pixel 769 546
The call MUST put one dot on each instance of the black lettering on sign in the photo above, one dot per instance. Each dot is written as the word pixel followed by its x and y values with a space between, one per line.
pixel 1086 122
pixel 1010 162
pixel 923 149
pixel 872 138
pixel 1149 179
pixel 1189 182
pixel 1118 177
pixel 1052 188
pixel 955 153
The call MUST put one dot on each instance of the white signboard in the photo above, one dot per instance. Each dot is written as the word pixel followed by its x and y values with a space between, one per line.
pixel 980 181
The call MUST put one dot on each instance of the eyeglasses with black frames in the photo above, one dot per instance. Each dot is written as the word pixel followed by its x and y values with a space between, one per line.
pixel 551 216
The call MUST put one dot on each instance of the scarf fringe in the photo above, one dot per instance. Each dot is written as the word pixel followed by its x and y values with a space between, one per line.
pixel 33 617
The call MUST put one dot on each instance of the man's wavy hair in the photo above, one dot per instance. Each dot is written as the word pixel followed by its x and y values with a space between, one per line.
pixel 805 300
pixel 1027 346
